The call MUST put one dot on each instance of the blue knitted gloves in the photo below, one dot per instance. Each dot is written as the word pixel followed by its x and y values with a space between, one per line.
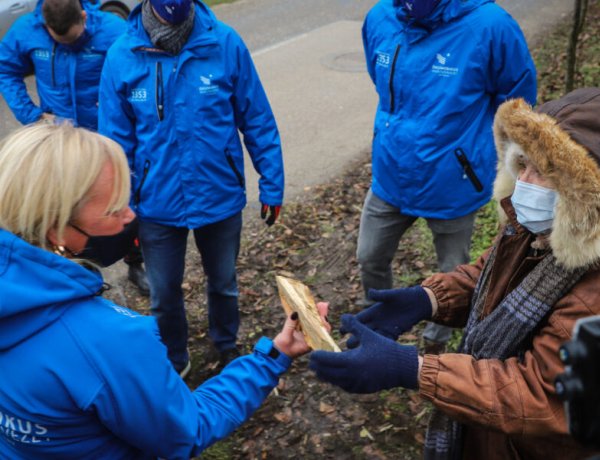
pixel 376 363
pixel 396 311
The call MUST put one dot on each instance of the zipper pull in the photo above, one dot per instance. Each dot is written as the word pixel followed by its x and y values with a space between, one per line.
pixel 468 169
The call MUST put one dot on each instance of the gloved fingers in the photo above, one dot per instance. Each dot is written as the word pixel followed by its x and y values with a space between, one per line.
pixel 383 295
pixel 370 313
pixel 352 342
pixel 274 214
pixel 329 361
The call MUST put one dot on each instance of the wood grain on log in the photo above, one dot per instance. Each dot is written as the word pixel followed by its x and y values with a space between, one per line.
pixel 296 297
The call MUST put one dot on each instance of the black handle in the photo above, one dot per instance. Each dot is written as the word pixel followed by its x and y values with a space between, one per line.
pixel 468 169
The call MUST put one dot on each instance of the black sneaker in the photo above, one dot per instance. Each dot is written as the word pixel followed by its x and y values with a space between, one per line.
pixel 137 276
pixel 226 356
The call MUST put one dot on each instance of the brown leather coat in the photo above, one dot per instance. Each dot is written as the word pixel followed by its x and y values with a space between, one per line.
pixel 509 407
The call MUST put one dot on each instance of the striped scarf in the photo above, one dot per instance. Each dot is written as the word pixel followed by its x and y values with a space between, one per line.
pixel 505 333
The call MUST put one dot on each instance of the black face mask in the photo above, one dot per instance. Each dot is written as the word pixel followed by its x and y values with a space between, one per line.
pixel 106 250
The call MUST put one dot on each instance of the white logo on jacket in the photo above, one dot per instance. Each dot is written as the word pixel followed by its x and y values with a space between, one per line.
pixel 139 95
pixel 383 59
pixel 207 85
pixel 440 68
pixel 42 55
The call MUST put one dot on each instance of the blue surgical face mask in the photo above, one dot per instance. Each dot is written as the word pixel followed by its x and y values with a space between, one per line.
pixel 417 9
pixel 534 206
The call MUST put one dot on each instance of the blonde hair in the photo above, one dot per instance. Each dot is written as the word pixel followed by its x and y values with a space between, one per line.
pixel 46 172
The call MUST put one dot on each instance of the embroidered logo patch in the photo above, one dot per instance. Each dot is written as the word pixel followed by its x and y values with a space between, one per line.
pixel 42 55
pixel 441 67
pixel 139 95
pixel 383 59
pixel 207 86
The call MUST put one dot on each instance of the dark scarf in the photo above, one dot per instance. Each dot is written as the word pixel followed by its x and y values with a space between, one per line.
pixel 168 37
pixel 505 333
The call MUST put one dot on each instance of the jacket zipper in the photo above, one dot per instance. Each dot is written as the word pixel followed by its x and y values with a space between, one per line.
pixel 391 82
pixel 239 176
pixel 160 93
pixel 52 64
pixel 138 192
pixel 468 169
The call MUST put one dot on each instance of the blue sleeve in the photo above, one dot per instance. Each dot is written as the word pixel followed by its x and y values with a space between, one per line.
pixel 14 65
pixel 115 117
pixel 368 51
pixel 146 403
pixel 511 69
pixel 255 119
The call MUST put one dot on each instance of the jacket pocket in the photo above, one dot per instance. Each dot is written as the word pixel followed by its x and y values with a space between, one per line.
pixel 137 197
pixel 231 163
pixel 468 169
pixel 160 92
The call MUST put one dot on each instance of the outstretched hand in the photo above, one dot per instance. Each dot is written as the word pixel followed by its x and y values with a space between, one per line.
pixel 376 363
pixel 396 311
pixel 290 340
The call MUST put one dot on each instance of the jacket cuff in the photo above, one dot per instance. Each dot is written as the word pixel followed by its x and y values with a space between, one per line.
pixel 266 348
pixel 437 287
pixel 428 378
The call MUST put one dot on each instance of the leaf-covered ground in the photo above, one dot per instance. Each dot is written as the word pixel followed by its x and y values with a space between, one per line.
pixel 315 241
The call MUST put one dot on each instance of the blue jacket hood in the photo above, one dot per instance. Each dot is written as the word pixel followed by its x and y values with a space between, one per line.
pixel 446 11
pixel 23 309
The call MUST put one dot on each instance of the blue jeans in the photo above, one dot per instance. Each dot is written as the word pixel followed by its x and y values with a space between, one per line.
pixel 164 250
pixel 381 228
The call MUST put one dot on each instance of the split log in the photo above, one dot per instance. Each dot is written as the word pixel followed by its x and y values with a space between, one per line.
pixel 296 297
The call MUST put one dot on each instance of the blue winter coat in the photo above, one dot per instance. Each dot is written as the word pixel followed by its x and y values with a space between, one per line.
pixel 177 118
pixel 439 84
pixel 67 81
pixel 85 378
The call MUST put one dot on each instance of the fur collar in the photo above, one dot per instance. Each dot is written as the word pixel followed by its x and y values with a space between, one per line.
pixel 518 130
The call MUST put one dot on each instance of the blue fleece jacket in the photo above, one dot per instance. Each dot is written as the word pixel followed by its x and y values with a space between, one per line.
pixel 67 80
pixel 177 118
pixel 439 83
pixel 84 378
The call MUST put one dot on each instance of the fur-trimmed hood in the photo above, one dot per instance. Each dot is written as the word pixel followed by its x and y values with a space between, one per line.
pixel 562 139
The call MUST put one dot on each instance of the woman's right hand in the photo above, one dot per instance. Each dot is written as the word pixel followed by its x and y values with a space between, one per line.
pixel 290 340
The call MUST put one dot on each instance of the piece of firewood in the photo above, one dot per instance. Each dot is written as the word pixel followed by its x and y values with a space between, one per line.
pixel 296 297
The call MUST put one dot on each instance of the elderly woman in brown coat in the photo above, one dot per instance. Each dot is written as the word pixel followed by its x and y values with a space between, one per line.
pixel 495 398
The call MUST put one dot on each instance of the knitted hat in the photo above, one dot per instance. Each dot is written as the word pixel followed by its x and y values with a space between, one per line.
pixel 562 139
pixel 172 11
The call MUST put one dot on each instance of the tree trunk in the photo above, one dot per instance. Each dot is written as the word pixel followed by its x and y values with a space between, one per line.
pixel 578 21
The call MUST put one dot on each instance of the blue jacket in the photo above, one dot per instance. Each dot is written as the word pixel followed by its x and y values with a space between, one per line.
pixel 177 118
pixel 85 378
pixel 67 81
pixel 439 84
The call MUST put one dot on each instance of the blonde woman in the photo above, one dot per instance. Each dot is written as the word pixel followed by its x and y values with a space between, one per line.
pixel 81 376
